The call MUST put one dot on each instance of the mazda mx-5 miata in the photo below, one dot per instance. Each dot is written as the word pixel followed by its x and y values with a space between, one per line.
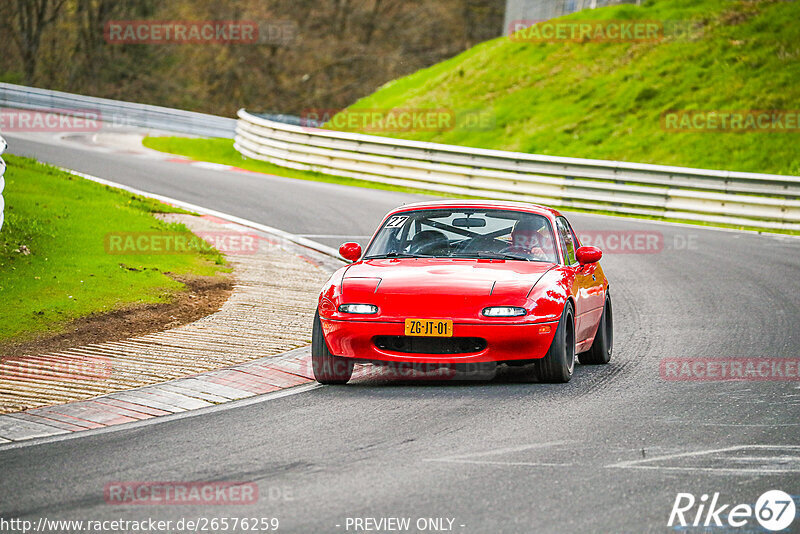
pixel 466 282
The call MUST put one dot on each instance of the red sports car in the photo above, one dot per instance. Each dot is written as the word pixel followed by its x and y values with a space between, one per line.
pixel 463 282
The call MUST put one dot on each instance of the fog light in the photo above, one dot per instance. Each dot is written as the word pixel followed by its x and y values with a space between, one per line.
pixel 504 311
pixel 363 309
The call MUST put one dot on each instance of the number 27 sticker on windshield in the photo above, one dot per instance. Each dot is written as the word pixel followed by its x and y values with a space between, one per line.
pixel 396 221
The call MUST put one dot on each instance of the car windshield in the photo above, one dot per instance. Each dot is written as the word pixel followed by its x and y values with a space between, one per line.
pixel 465 233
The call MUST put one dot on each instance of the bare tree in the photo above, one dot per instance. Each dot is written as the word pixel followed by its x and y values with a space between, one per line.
pixel 26 20
pixel 338 51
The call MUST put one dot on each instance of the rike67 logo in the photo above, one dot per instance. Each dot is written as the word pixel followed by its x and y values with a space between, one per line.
pixel 774 511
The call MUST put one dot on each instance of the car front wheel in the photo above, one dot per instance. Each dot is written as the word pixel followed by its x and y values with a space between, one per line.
pixel 328 369
pixel 559 362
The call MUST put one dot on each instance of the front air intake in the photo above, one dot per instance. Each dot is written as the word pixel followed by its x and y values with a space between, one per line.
pixel 430 345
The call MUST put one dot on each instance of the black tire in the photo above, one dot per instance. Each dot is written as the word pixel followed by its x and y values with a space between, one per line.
pixel 559 362
pixel 328 369
pixel 603 344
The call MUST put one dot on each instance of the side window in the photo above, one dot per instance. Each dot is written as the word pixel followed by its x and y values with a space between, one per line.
pixel 567 240
pixel 576 242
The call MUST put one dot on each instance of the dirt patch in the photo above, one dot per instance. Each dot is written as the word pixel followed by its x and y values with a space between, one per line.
pixel 743 12
pixel 203 296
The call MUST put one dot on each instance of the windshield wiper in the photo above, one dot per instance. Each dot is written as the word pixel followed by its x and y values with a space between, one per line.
pixel 398 255
pixel 492 256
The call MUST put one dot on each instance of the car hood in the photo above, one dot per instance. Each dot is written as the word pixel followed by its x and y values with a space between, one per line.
pixel 423 287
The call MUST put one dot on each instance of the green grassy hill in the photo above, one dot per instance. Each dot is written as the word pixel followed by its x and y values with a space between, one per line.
pixel 605 100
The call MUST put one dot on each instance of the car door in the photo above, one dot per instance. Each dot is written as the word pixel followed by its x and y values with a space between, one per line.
pixel 589 281
pixel 583 284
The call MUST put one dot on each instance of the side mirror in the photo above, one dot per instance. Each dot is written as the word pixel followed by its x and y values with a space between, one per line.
pixel 588 255
pixel 350 251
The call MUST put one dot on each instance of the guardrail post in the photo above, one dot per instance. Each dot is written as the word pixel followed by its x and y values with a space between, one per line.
pixel 3 146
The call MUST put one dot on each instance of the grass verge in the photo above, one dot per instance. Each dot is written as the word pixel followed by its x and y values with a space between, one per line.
pixel 218 150
pixel 54 268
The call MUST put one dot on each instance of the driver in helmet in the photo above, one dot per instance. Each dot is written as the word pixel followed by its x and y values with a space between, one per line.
pixel 532 238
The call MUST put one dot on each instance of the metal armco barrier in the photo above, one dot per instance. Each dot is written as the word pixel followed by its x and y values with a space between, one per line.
pixel 116 112
pixel 720 197
pixel 3 146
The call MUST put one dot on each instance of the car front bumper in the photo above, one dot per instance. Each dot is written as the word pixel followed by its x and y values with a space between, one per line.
pixel 504 342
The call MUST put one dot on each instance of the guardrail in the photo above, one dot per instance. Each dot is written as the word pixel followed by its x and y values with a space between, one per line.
pixel 530 11
pixel 116 112
pixel 720 197
pixel 3 147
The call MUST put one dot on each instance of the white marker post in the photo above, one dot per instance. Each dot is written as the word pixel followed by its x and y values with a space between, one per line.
pixel 3 147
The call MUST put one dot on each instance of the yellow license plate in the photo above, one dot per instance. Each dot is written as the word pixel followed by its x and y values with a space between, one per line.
pixel 429 327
